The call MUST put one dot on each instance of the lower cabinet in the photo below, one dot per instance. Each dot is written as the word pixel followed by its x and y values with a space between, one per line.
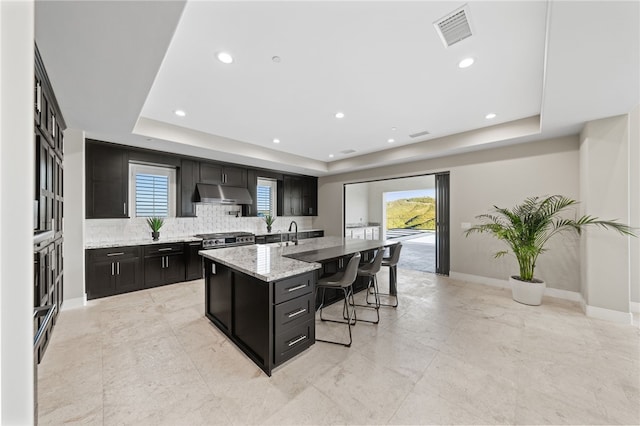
pixel 193 261
pixel 163 264
pixel 113 271
pixel 269 321
pixel 118 270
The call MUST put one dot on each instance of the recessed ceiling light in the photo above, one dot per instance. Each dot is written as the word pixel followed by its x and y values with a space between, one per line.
pixel 225 57
pixel 339 114
pixel 275 58
pixel 490 116
pixel 330 155
pixel 179 113
pixel 394 129
pixel 391 140
pixel 276 141
pixel 466 62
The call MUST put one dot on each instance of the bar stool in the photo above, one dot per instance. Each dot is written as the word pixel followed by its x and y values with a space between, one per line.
pixel 392 263
pixel 344 281
pixel 370 270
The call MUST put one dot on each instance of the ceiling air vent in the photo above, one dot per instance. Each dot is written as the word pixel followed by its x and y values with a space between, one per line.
pixel 417 135
pixel 454 27
pixel 348 151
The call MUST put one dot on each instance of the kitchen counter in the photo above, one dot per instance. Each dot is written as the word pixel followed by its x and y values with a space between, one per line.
pixel 144 242
pixel 264 234
pixel 266 261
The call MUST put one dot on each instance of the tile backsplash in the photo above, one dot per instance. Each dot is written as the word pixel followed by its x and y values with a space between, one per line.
pixel 210 218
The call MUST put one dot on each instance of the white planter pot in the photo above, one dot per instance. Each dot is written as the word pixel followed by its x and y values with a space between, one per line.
pixel 526 292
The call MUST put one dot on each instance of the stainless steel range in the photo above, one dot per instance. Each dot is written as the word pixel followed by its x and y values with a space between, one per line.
pixel 226 239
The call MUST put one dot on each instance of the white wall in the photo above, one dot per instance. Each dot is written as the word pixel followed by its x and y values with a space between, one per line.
pixel 74 207
pixel 357 203
pixel 634 208
pixel 604 189
pixel 502 176
pixel 16 212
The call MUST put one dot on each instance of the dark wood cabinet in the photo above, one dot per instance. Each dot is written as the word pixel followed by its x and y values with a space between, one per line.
pixel 292 196
pixel 309 196
pixel 218 294
pixel 193 261
pixel 48 203
pixel 113 271
pixel 218 174
pixel 269 321
pixel 106 181
pixel 163 264
pixel 299 196
pixel 189 176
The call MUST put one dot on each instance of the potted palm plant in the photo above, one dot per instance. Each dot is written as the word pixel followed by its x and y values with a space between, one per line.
pixel 268 219
pixel 526 229
pixel 155 223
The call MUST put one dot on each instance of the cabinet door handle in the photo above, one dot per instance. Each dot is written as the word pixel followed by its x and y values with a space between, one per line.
pixel 162 258
pixel 39 97
pixel 213 268
pixel 124 208
pixel 113 268
pixel 167 261
pixel 296 313
pixel 118 268
pixel 298 340
pixel 298 287
pixel 166 249
pixel 194 244
pixel 115 254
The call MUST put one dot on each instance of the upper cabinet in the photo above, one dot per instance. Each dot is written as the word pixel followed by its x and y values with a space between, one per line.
pixel 217 174
pixel 189 176
pixel 300 196
pixel 106 181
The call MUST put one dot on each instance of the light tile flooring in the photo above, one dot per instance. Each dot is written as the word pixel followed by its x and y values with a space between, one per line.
pixel 452 353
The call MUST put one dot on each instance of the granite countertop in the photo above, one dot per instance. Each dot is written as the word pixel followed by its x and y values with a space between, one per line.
pixel 270 262
pixel 267 262
pixel 144 242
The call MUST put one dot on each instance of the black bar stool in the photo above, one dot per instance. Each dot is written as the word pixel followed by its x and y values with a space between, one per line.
pixel 370 270
pixel 392 263
pixel 344 281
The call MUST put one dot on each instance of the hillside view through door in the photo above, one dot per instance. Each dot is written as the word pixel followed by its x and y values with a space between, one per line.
pixel 411 218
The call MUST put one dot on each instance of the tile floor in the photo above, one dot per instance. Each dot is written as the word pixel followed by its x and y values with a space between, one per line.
pixel 452 353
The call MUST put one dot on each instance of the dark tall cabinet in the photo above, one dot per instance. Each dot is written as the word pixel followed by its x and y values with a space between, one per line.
pixel 48 203
pixel 107 170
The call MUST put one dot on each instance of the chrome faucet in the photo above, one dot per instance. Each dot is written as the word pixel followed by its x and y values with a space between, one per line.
pixel 295 239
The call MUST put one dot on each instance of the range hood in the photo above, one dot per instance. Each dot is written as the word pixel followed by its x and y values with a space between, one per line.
pixel 219 194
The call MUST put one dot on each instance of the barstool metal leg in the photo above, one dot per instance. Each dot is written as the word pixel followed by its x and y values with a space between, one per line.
pixel 348 292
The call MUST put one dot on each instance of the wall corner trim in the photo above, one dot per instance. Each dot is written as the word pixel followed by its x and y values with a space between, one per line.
pixel 609 315
pixel 75 303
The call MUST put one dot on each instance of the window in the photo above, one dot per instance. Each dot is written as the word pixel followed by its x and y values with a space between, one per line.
pixel 152 190
pixel 266 197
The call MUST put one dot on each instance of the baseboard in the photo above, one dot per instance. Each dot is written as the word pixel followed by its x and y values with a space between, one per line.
pixel 494 282
pixel 75 303
pixel 609 314
pixel 634 307
pixel 573 296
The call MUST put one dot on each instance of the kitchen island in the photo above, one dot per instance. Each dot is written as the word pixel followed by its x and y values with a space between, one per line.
pixel 262 296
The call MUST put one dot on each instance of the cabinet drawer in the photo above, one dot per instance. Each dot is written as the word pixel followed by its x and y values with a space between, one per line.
pixel 316 234
pixel 293 312
pixel 163 249
pixel 293 341
pixel 114 253
pixel 293 287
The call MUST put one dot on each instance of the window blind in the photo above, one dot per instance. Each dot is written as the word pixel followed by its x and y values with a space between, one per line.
pixel 152 195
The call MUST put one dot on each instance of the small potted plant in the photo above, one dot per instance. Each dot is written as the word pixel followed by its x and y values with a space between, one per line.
pixel 268 219
pixel 155 223
pixel 526 229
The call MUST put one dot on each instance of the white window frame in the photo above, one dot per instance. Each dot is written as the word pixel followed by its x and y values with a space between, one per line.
pixel 170 172
pixel 274 193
